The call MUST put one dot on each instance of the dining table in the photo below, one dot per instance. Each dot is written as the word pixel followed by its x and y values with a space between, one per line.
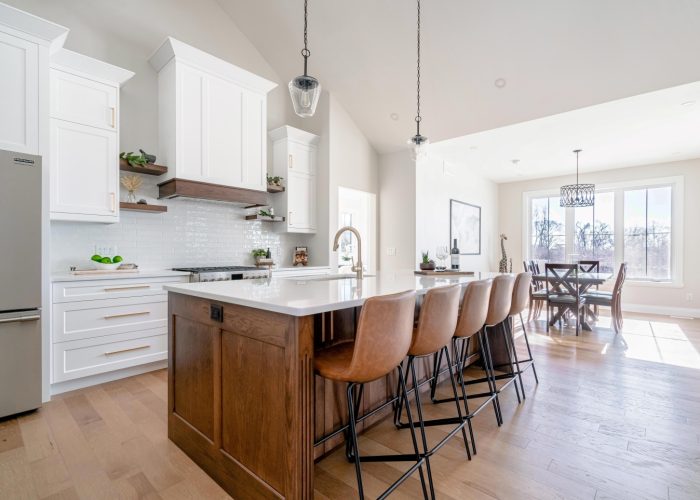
pixel 586 280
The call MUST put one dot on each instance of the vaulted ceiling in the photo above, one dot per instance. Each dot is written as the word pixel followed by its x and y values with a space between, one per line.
pixel 554 55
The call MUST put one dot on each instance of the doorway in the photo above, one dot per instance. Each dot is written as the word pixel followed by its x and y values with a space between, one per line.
pixel 357 209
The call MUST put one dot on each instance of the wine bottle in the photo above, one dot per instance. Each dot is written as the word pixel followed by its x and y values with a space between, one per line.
pixel 454 256
pixel 268 254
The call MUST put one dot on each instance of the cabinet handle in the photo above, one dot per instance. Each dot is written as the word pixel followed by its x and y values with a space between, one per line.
pixel 290 162
pixel 290 218
pixel 124 315
pixel 112 202
pixel 137 348
pixel 119 288
pixel 21 319
pixel 114 115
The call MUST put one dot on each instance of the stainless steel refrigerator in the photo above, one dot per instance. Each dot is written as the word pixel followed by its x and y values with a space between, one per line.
pixel 20 282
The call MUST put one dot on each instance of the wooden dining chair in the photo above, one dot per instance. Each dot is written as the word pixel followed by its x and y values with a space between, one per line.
pixel 562 286
pixel 613 299
pixel 590 266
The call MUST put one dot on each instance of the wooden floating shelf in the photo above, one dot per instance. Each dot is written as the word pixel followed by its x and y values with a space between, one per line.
pixel 264 218
pixel 275 189
pixel 149 169
pixel 140 207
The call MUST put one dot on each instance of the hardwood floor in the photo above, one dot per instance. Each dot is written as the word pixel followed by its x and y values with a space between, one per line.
pixel 612 417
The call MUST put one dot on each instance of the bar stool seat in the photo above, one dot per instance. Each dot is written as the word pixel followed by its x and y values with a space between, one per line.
pixel 334 363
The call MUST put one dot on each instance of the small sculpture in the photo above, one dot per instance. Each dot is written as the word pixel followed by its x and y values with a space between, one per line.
pixel 503 263
pixel 148 157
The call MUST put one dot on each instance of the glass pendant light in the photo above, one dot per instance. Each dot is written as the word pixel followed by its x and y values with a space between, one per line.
pixel 305 90
pixel 577 195
pixel 419 143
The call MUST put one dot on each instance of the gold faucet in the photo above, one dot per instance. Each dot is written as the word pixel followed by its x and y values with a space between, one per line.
pixel 357 268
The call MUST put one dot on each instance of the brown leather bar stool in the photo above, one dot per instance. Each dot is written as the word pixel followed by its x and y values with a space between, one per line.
pixel 382 340
pixel 496 318
pixel 472 316
pixel 521 297
pixel 436 326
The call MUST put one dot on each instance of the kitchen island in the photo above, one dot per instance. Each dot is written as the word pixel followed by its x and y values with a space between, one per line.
pixel 242 399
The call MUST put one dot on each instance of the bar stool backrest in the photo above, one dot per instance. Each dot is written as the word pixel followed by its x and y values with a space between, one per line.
pixel 384 333
pixel 521 293
pixel 475 307
pixel 501 296
pixel 437 320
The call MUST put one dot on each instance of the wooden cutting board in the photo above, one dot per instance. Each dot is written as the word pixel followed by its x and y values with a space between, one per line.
pixel 105 271
pixel 445 273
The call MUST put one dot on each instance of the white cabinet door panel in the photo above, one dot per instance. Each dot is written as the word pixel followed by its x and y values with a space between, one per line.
pixel 19 95
pixel 223 130
pixel 190 120
pixel 300 158
pixel 301 201
pixel 84 101
pixel 84 172
pixel 254 142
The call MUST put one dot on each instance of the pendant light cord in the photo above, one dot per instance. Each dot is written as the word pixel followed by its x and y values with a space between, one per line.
pixel 418 117
pixel 305 52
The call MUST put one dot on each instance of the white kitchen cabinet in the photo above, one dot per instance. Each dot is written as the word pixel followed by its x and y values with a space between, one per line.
pixel 101 327
pixel 25 44
pixel 212 118
pixel 84 177
pixel 84 138
pixel 294 159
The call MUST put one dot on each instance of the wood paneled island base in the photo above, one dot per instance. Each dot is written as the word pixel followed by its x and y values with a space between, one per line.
pixel 242 399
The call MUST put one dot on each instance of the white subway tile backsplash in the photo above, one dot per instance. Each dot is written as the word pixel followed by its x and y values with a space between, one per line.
pixel 191 233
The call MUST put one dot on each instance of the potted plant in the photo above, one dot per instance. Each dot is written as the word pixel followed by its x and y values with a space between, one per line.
pixel 427 264
pixel 274 183
pixel 258 254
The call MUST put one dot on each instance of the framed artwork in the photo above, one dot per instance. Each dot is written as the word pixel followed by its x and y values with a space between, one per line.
pixel 465 225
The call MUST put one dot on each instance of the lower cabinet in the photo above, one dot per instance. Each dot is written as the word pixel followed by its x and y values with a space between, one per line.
pixel 102 326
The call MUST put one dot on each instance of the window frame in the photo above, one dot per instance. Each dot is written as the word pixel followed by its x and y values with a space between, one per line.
pixel 677 224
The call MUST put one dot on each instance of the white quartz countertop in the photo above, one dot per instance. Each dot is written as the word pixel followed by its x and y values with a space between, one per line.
pixel 301 296
pixel 142 273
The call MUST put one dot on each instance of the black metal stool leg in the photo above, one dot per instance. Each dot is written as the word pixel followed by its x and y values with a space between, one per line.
pixel 419 407
pixel 488 361
pixel 460 365
pixel 353 437
pixel 511 339
pixel 529 351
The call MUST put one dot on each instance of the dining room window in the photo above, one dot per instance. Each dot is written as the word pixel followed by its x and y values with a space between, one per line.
pixel 635 222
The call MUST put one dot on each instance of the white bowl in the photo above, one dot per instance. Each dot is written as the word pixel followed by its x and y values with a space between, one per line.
pixel 107 267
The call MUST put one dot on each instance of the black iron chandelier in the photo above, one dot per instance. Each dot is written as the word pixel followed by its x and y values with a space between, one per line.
pixel 305 90
pixel 577 195
pixel 418 142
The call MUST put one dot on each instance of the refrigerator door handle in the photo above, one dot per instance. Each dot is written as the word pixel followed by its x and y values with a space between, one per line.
pixel 20 319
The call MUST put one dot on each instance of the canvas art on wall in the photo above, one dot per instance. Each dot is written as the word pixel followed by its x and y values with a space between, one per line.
pixel 465 225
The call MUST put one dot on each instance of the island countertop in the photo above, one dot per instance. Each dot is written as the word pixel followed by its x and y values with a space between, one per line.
pixel 303 296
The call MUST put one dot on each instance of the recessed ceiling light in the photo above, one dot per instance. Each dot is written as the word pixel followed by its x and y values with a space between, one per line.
pixel 687 103
pixel 515 162
pixel 473 148
pixel 394 116
pixel 500 83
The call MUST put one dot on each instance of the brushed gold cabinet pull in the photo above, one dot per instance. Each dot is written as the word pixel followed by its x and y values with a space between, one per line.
pixel 114 113
pixel 128 287
pixel 137 348
pixel 112 201
pixel 291 161
pixel 125 315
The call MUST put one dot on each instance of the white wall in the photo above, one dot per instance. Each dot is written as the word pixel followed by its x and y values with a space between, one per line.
pixel 436 183
pixel 397 211
pixel 649 296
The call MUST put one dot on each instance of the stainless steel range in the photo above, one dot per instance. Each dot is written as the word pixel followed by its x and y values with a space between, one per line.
pixel 223 273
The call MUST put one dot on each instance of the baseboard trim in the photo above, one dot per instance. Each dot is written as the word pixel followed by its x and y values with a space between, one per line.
pixel 81 383
pixel 686 312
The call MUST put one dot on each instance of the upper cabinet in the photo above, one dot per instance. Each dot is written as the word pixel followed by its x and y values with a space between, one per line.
pixel 26 43
pixel 212 118
pixel 294 154
pixel 84 136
